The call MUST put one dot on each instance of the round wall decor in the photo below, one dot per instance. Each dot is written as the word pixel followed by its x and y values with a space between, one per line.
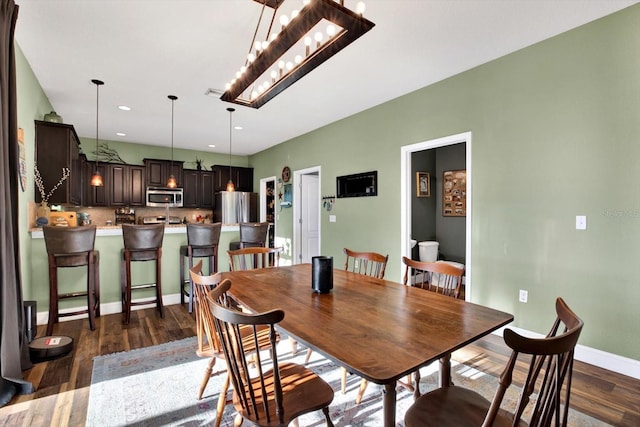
pixel 286 174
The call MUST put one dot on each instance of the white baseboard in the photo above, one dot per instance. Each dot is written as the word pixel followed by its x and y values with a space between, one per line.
pixel 602 359
pixel 612 362
pixel 108 308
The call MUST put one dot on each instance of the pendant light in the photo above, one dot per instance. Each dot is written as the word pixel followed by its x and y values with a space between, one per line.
pixel 171 182
pixel 96 178
pixel 230 186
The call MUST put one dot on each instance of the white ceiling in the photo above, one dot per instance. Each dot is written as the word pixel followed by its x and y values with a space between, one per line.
pixel 145 50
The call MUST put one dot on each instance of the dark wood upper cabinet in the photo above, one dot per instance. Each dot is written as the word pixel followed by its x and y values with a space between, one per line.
pixel 58 147
pixel 95 196
pixel 198 189
pixel 242 178
pixel 158 172
pixel 124 185
pixel 127 185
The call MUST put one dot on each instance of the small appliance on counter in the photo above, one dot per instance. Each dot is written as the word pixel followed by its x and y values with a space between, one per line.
pixel 161 220
pixel 125 216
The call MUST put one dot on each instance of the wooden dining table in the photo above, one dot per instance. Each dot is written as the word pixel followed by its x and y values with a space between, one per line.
pixel 377 329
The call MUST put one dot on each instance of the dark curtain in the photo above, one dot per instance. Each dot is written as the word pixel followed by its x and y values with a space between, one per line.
pixel 14 356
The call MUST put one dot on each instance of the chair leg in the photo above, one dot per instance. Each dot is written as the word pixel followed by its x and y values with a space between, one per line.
pixel 190 286
pixel 309 353
pixel 363 387
pixel 222 401
pixel 294 423
pixel 416 390
pixel 53 295
pixel 126 289
pixel 182 281
pixel 90 289
pixel 207 375
pixel 325 411
pixel 343 386
pixel 294 346
pixel 159 304
pixel 96 284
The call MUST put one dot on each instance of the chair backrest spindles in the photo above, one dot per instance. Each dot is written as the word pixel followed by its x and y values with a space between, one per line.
pixel 553 357
pixel 368 263
pixel 249 385
pixel 253 257
pixel 434 276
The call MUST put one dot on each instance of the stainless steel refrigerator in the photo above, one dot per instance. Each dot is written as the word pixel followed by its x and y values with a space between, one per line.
pixel 234 207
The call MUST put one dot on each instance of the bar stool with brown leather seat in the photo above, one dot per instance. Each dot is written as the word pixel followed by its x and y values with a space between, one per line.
pixel 72 247
pixel 141 243
pixel 202 242
pixel 253 234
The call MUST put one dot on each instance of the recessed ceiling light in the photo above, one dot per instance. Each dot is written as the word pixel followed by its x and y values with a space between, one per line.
pixel 237 127
pixel 211 146
pixel 124 108
pixel 121 134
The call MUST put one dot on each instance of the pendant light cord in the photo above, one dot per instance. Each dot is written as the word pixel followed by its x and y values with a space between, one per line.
pixel 230 110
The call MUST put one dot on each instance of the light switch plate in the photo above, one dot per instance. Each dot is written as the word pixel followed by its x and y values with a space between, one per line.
pixel 581 222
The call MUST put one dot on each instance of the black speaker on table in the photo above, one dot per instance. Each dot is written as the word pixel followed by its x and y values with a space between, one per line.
pixel 322 274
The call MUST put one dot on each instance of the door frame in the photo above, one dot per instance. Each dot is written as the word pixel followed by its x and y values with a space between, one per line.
pixel 406 196
pixel 297 179
pixel 263 200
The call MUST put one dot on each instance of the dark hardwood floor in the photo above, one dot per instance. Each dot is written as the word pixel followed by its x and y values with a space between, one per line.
pixel 62 385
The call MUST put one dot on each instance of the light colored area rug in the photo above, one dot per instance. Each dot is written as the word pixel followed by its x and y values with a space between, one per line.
pixel 157 386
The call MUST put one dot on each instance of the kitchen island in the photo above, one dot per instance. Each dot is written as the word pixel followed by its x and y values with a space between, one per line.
pixel 109 242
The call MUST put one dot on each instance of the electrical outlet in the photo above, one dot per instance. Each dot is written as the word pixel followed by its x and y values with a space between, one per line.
pixel 524 295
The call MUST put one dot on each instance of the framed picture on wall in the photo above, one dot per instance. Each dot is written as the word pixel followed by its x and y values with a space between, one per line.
pixel 454 193
pixel 423 184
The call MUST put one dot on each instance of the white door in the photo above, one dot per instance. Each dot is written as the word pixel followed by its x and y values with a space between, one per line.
pixel 308 217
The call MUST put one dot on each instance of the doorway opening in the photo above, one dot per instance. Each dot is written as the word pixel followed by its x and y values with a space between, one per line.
pixel 408 197
pixel 268 207
pixel 306 214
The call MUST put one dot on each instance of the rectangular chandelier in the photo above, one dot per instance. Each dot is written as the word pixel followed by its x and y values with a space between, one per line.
pixel 300 46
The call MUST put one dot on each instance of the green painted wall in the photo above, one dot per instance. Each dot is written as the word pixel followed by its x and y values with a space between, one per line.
pixel 555 134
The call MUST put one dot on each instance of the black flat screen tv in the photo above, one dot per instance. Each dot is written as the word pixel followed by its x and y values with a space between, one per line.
pixel 357 185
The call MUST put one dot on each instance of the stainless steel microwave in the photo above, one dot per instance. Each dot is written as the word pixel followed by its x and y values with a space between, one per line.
pixel 164 197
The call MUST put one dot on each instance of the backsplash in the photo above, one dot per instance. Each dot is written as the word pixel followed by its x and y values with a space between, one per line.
pixel 100 215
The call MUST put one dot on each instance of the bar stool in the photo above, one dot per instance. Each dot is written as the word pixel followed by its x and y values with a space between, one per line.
pixel 72 247
pixel 253 234
pixel 141 243
pixel 202 242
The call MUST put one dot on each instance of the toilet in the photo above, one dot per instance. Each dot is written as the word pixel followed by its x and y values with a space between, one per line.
pixel 428 251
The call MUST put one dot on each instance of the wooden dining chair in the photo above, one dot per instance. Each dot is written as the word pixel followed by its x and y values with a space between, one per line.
pixel 434 276
pixel 369 264
pixel 252 258
pixel 208 342
pixel 271 394
pixel 549 376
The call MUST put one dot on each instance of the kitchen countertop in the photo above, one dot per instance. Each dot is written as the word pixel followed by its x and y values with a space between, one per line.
pixel 116 230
